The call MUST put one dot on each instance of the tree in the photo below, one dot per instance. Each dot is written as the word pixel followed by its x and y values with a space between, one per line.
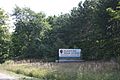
pixel 114 28
pixel 30 28
pixel 4 37
pixel 107 27
pixel 92 26
pixel 55 38
pixel 81 30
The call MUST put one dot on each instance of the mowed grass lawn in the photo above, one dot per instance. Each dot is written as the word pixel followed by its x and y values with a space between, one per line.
pixel 67 71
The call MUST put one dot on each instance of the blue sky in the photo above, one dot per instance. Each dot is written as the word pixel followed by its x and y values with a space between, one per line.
pixel 49 7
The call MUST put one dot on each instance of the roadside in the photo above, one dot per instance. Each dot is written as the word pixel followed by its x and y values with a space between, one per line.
pixel 64 71
pixel 7 75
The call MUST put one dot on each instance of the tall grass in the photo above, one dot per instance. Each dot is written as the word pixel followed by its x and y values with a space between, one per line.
pixel 68 71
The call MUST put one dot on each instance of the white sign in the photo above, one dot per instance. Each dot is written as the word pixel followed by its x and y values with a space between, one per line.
pixel 69 52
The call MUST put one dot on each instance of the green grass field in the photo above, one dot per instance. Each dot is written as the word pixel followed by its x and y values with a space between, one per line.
pixel 67 71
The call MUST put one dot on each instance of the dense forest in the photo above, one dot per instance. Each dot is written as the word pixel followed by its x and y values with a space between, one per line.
pixel 93 26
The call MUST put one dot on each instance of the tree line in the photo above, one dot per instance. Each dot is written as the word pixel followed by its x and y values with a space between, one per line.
pixel 93 26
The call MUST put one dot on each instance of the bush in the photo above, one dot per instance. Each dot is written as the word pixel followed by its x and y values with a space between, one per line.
pixel 9 62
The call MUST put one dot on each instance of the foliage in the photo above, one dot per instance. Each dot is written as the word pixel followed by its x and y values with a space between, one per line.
pixel 29 33
pixel 4 37
pixel 115 19
pixel 115 13
pixel 93 26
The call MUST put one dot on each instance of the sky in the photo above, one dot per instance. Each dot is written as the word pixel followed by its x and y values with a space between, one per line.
pixel 49 7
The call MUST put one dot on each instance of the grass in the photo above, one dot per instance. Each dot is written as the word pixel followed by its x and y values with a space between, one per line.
pixel 17 76
pixel 67 71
